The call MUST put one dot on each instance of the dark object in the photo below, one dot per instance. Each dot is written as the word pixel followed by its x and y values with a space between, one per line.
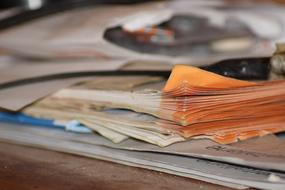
pixel 31 80
pixel 192 35
pixel 4 4
pixel 53 7
pixel 244 68
pixel 26 3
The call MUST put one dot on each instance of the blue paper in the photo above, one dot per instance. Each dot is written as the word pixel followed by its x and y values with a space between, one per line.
pixel 73 125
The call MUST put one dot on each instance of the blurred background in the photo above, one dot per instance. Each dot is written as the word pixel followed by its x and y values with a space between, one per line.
pixel 176 31
pixel 38 3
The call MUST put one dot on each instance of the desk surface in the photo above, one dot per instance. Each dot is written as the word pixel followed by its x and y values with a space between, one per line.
pixel 29 168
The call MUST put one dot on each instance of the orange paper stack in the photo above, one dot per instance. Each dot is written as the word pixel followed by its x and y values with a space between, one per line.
pixel 203 104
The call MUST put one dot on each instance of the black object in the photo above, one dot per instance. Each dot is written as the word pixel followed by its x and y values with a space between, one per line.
pixel 246 68
pixel 44 78
pixel 242 68
pixel 53 7
pixel 25 3
pixel 4 4
pixel 192 35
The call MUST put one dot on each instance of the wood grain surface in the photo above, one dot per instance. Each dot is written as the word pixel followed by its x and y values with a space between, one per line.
pixel 26 168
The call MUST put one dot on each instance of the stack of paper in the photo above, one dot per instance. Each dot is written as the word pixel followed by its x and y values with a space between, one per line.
pixel 197 124
pixel 115 124
pixel 221 108
pixel 209 106
pixel 127 110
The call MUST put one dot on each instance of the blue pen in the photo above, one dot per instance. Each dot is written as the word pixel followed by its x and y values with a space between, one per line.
pixel 73 125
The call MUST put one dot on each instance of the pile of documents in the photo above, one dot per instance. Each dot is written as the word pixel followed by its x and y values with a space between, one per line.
pixel 128 107
pixel 178 126
pixel 209 106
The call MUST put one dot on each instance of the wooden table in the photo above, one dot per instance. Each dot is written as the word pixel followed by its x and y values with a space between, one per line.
pixel 26 168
